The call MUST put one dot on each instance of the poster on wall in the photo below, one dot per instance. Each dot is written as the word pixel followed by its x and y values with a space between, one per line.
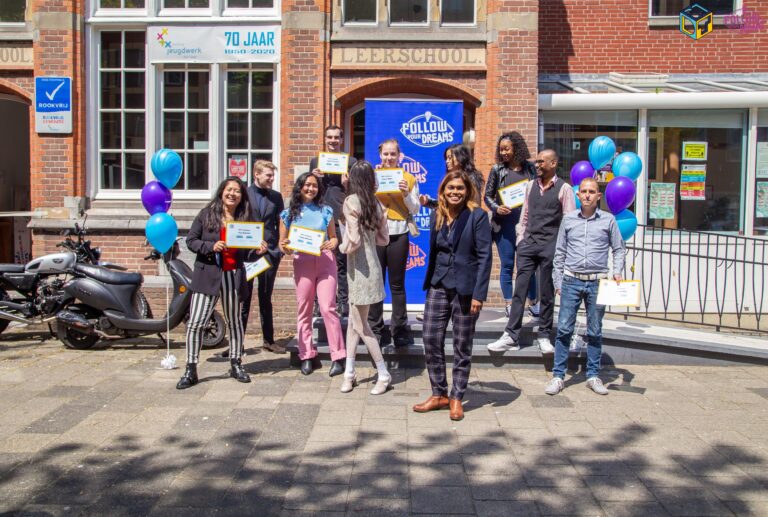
pixel 424 129
pixel 213 44
pixel 693 181
pixel 238 166
pixel 761 201
pixel 661 203
pixel 695 151
pixel 762 160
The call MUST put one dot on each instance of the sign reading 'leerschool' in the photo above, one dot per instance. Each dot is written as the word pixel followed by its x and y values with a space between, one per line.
pixel 413 56
pixel 214 44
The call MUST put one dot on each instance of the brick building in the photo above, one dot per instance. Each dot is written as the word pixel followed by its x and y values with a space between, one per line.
pixel 148 74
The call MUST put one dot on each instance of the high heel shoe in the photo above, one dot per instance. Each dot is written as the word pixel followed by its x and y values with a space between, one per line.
pixel 381 386
pixel 348 384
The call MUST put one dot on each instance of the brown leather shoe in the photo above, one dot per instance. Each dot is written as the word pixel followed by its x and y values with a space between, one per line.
pixel 433 403
pixel 457 412
pixel 275 348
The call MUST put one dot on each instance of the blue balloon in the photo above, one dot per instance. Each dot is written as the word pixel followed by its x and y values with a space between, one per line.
pixel 601 151
pixel 628 165
pixel 627 223
pixel 576 196
pixel 167 167
pixel 161 231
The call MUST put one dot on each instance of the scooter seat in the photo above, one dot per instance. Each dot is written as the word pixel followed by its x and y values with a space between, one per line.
pixel 109 276
pixel 11 268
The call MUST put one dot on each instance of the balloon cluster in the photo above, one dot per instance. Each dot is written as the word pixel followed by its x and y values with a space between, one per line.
pixel 161 229
pixel 620 191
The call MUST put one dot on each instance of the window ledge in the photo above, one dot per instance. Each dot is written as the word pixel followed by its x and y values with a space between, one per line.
pixel 15 32
pixel 674 21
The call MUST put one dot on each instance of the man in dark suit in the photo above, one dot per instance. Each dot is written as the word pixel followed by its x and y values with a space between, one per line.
pixel 266 205
pixel 334 187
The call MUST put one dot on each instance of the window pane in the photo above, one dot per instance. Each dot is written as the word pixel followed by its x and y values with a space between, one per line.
pixel 110 90
pixel 173 130
pixel 261 131
pixel 458 11
pixel 237 90
pixel 134 4
pixel 111 171
pixel 237 3
pixel 673 7
pixel 173 94
pixel 262 3
pixel 134 49
pixel 359 11
pixel 707 192
pixel 198 131
pixel 134 90
pixel 198 90
pixel 260 156
pixel 134 170
pixel 110 3
pixel 408 11
pixel 12 11
pixel 110 49
pixel 110 131
pixel 237 130
pixel 262 90
pixel 197 164
pixel 173 3
pixel 198 3
pixel 134 130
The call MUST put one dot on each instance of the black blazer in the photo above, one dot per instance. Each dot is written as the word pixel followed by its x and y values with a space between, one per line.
pixel 471 254
pixel 206 277
pixel 269 214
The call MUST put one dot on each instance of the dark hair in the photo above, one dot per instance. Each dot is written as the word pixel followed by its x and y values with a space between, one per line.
pixel 214 210
pixel 462 155
pixel 441 213
pixel 362 182
pixel 296 202
pixel 333 127
pixel 520 151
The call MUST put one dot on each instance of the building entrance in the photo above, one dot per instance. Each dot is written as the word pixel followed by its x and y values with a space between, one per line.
pixel 14 178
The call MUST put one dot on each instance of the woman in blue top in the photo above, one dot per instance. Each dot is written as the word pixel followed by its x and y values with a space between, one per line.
pixel 313 274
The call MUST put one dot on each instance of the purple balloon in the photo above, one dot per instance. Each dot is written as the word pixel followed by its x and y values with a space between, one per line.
pixel 619 194
pixel 580 171
pixel 156 197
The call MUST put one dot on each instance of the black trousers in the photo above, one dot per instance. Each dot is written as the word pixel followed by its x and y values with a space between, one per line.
pixel 393 258
pixel 530 257
pixel 266 285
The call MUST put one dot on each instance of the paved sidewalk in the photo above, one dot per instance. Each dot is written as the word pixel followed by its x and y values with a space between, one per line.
pixel 105 432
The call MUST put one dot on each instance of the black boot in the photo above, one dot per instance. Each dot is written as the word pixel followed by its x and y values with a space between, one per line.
pixel 307 367
pixel 337 368
pixel 189 378
pixel 238 372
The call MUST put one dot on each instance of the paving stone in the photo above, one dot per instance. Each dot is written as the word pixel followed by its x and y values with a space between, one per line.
pixel 442 500
pixel 445 474
pixel 500 488
pixel 313 497
pixel 390 486
pixel 686 501
pixel 500 464
pixel 506 509
pixel 566 501
pixel 617 488
pixel 371 505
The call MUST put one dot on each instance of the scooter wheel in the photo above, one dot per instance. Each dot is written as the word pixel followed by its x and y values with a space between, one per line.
pixel 213 332
pixel 4 323
pixel 74 339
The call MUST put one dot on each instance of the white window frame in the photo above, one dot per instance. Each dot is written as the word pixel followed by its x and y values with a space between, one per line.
pixel 408 24
pixel 463 24
pixel 217 9
pixel 737 6
pixel 359 24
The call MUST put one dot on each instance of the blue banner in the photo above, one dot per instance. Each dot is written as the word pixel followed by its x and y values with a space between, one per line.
pixel 424 130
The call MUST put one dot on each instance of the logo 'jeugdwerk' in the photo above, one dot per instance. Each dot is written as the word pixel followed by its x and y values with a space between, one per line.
pixel 427 130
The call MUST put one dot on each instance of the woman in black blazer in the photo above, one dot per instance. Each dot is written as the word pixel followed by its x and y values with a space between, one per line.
pixel 219 272
pixel 457 277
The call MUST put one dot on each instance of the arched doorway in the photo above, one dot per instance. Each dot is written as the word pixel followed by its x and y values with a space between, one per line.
pixel 15 178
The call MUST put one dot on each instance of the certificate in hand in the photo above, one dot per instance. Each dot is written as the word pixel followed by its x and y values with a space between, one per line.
pixel 333 163
pixel 388 180
pixel 254 269
pixel 624 293
pixel 305 240
pixel 244 235
pixel 513 196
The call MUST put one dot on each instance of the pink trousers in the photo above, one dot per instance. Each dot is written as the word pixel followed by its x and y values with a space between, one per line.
pixel 317 275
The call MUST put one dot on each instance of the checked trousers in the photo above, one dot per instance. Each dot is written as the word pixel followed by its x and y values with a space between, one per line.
pixel 444 305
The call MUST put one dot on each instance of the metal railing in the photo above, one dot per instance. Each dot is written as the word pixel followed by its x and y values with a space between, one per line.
pixel 699 278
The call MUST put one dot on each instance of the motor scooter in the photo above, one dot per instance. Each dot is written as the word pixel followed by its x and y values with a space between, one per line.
pixel 102 308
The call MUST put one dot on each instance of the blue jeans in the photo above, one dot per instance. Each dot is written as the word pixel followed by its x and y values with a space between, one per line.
pixel 505 244
pixel 572 292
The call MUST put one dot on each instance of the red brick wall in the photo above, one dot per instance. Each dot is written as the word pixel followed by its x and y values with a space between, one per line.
pixel 600 36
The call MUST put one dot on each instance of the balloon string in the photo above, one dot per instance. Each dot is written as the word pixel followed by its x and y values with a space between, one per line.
pixel 167 320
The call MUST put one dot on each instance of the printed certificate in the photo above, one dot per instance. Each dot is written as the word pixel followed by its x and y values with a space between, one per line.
pixel 513 196
pixel 388 180
pixel 254 269
pixel 625 293
pixel 305 240
pixel 333 163
pixel 244 235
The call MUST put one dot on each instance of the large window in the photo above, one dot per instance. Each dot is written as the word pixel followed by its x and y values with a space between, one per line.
pixel 699 154
pixel 761 175
pixel 673 7
pixel 12 11
pixel 249 118
pixel 122 109
pixel 408 11
pixel 360 11
pixel 185 123
pixel 457 11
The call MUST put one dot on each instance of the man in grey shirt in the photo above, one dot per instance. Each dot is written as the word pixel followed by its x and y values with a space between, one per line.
pixel 581 260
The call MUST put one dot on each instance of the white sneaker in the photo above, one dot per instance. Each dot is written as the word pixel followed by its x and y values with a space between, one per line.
pixel 596 385
pixel 545 345
pixel 504 344
pixel 554 386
